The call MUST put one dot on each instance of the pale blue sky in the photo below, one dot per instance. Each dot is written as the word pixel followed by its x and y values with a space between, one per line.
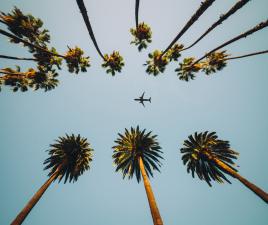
pixel 232 102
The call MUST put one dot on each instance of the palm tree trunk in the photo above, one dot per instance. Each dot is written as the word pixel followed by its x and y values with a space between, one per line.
pixel 262 194
pixel 223 17
pixel 17 58
pixel 150 195
pixel 83 10
pixel 137 13
pixel 247 55
pixel 244 35
pixel 29 44
pixel 203 7
pixel 27 209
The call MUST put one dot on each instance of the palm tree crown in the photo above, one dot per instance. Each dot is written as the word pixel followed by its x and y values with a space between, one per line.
pixel 72 154
pixel 199 152
pixel 131 146
pixel 142 35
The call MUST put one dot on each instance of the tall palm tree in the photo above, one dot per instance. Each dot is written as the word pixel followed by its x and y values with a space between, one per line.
pixel 218 60
pixel 69 158
pixel 142 34
pixel 203 7
pixel 158 60
pixel 28 30
pixel 137 152
pixel 211 158
pixel 113 62
pixel 190 69
pixel 238 5
pixel 258 27
pixel 32 78
pixel 49 57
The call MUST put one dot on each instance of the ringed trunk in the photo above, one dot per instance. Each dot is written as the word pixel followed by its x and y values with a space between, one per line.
pixel 150 195
pixel 258 191
pixel 28 207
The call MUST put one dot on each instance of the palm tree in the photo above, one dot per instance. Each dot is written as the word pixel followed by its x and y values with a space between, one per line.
pixel 243 35
pixel 203 7
pixel 25 26
pixel 137 152
pixel 142 34
pixel 27 29
pixel 69 158
pixel 191 68
pixel 113 62
pixel 218 60
pixel 238 5
pixel 211 158
pixel 157 63
pixel 35 79
pixel 49 57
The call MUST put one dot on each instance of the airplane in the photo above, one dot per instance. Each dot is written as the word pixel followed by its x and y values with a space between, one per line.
pixel 141 99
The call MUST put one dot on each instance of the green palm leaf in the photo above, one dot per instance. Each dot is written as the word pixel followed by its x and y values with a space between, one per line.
pixel 131 146
pixel 199 154
pixel 73 153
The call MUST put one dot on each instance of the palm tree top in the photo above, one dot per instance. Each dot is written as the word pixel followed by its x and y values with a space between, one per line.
pixel 25 26
pixel 199 153
pixel 133 145
pixel 72 154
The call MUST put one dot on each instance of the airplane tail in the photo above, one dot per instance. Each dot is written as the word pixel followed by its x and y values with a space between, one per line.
pixel 150 99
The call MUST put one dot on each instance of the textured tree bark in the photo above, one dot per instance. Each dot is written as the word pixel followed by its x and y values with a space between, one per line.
pixel 28 207
pixel 150 195
pixel 258 191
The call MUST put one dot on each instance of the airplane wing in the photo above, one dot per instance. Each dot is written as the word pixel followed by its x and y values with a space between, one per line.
pixel 142 95
pixel 142 103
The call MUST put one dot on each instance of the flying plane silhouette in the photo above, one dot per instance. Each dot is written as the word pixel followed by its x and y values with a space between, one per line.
pixel 142 100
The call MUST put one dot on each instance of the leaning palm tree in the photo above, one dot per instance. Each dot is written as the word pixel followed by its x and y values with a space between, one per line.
pixel 137 152
pixel 69 158
pixel 258 27
pixel 50 57
pixel 218 60
pixel 238 5
pixel 157 61
pixel 29 31
pixel 203 7
pixel 211 158
pixel 40 78
pixel 113 62
pixel 189 72
pixel 142 34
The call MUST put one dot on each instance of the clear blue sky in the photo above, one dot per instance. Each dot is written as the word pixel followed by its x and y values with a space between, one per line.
pixel 232 102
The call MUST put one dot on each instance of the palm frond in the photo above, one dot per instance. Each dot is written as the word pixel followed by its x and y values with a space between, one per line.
pixel 199 154
pixel 73 154
pixel 131 146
